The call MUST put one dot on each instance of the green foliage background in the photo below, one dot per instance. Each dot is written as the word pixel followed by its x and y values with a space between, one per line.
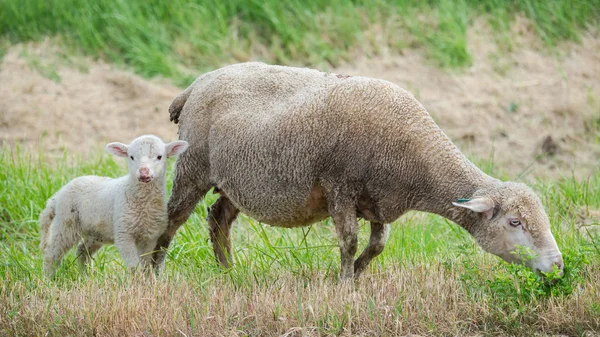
pixel 178 38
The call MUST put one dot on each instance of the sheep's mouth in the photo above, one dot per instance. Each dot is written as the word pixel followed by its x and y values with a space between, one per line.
pixel 145 179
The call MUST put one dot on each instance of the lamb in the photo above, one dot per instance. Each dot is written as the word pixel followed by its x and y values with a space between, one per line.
pixel 129 211
pixel 292 146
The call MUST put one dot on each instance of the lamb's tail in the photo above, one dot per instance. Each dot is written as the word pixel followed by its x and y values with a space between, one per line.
pixel 45 220
pixel 178 103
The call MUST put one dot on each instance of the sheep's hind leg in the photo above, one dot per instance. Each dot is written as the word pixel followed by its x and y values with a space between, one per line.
pixel 61 239
pixel 85 251
pixel 189 186
pixel 379 235
pixel 346 227
pixel 220 218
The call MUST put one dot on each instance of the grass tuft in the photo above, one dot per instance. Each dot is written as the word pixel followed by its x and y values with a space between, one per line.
pixel 181 37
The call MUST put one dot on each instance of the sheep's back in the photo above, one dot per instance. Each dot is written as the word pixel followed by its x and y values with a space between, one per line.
pixel 276 137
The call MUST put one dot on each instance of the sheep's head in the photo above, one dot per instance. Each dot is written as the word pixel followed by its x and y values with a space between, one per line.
pixel 511 219
pixel 147 156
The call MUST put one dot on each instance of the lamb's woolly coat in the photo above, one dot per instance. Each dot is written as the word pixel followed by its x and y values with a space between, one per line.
pixel 97 210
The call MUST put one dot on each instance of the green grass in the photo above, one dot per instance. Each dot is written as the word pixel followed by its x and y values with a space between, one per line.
pixel 497 297
pixel 178 38
pixel 432 279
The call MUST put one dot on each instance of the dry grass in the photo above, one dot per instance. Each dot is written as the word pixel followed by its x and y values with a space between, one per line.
pixel 431 279
pixel 424 300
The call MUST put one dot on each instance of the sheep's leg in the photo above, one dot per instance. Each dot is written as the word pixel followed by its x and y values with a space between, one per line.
pixel 85 251
pixel 377 240
pixel 346 227
pixel 145 252
pixel 61 239
pixel 127 248
pixel 189 186
pixel 220 218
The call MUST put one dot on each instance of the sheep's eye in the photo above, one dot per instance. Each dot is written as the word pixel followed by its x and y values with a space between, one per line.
pixel 159 157
pixel 514 222
pixel 131 157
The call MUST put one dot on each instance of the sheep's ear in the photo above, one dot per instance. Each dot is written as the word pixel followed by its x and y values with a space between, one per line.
pixel 176 148
pixel 118 149
pixel 483 205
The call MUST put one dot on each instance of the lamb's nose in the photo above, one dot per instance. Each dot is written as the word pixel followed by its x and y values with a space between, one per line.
pixel 145 175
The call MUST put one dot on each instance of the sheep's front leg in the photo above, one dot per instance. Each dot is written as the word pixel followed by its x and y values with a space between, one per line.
pixel 128 249
pixel 379 235
pixel 346 227
pixel 145 251
pixel 189 186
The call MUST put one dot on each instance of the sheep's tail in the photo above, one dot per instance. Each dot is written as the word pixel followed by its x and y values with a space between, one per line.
pixel 178 103
pixel 45 220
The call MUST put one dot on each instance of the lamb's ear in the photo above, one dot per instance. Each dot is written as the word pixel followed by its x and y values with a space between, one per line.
pixel 118 149
pixel 176 148
pixel 483 205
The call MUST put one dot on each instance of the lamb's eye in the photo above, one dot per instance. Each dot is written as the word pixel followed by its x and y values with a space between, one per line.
pixel 131 157
pixel 514 222
pixel 159 157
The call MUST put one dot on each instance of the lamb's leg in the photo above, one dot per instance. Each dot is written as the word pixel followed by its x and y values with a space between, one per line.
pixel 220 218
pixel 125 243
pixel 85 251
pixel 189 186
pixel 379 236
pixel 61 238
pixel 145 252
pixel 346 226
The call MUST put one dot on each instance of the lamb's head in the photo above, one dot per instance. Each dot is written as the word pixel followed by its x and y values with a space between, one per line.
pixel 147 156
pixel 511 218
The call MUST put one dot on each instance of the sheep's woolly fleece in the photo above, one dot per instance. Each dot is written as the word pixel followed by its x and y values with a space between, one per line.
pixel 534 112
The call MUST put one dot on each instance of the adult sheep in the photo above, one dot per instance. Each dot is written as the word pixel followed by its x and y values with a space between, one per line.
pixel 292 146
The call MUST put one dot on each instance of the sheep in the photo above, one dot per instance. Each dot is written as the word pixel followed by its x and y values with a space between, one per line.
pixel 129 211
pixel 292 146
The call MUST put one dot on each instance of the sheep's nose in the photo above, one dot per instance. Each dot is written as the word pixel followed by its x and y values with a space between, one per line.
pixel 144 171
pixel 145 174
pixel 559 264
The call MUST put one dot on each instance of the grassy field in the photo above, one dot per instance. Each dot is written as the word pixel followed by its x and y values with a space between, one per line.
pixel 432 279
pixel 178 37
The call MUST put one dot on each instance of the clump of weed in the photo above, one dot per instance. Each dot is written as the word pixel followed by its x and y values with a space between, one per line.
pixel 511 282
pixel 514 293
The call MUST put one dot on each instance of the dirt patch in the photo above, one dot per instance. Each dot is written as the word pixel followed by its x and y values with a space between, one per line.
pixel 533 112
pixel 55 103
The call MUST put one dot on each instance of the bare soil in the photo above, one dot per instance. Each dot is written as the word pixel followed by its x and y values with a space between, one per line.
pixel 533 111
pixel 77 104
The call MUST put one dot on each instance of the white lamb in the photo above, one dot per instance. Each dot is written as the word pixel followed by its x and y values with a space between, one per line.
pixel 129 211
